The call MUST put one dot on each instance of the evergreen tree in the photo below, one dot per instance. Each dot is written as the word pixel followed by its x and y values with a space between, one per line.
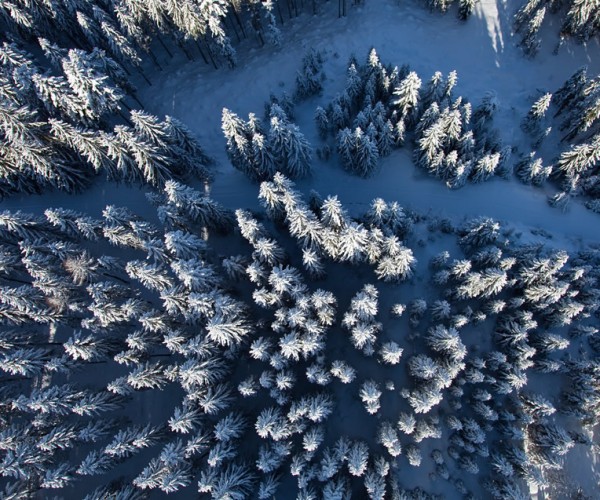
pixel 579 159
pixel 322 121
pixel 291 151
pixel 358 152
pixel 406 97
pixel 238 144
pixel 308 80
pixel 370 394
pixel 465 9
pixel 91 83
pixel 530 41
pixel 531 170
pixel 531 122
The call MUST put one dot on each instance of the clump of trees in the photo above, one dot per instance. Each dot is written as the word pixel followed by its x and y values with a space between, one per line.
pixel 57 127
pixel 382 107
pixel 579 21
pixel 159 310
pixel 576 117
pixel 259 152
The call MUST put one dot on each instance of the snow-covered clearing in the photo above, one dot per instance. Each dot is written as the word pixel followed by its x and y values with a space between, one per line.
pixel 481 50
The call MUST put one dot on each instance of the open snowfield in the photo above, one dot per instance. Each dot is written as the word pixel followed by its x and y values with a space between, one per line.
pixel 484 53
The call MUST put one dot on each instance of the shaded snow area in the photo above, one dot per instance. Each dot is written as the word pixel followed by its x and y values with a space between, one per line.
pixel 331 336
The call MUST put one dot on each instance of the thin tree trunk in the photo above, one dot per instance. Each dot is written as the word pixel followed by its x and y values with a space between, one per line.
pixel 154 60
pixel 238 19
pixel 201 51
pixel 279 12
pixel 232 23
pixel 212 59
pixel 109 275
pixel 144 76
pixel 184 50
pixel 160 40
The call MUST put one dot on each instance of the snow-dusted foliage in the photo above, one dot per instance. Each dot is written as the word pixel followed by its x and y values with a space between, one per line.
pixel 569 117
pixel 370 394
pixel 167 354
pixel 309 78
pixel 169 322
pixel 260 151
pixel 578 20
pixel 380 106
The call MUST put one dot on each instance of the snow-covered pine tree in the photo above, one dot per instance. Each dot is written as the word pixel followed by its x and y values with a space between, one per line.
pixel 406 98
pixel 184 146
pixel 238 141
pixel 309 79
pixel 358 152
pixel 530 41
pixel 388 437
pixel 465 9
pixel 322 121
pixel 91 84
pixel 531 170
pixel 532 122
pixel 370 394
pixel 390 353
pixel 291 151
pixel 343 371
pixel 195 206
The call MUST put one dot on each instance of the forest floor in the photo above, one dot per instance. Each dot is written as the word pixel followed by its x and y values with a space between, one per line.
pixel 484 53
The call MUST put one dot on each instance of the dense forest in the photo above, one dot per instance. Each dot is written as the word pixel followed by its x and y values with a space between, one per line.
pixel 298 348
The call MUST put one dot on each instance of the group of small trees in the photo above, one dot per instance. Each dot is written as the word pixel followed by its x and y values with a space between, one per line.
pixel 465 7
pixel 332 234
pixel 529 291
pixel 260 154
pixel 382 106
pixel 579 20
pixel 58 105
pixel 577 103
